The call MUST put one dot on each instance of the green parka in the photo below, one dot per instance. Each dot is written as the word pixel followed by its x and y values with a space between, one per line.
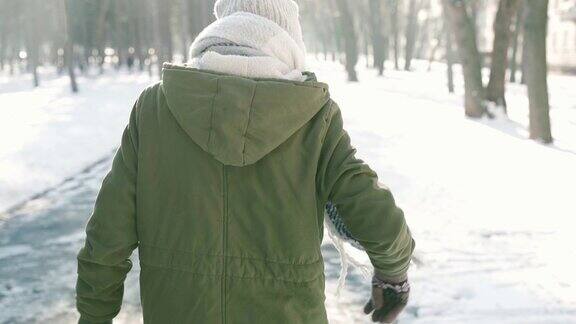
pixel 221 182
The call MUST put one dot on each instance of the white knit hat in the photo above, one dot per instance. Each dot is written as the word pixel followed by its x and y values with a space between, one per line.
pixel 283 12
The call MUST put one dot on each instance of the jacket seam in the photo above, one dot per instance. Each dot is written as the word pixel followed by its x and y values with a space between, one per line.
pixel 276 279
pixel 316 198
pixel 97 262
pixel 224 240
pixel 231 256
pixel 212 114
pixel 248 125
pixel 178 269
pixel 327 121
pixel 230 276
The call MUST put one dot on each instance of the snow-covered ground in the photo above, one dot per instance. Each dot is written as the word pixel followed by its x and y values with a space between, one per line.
pixel 492 212
pixel 47 135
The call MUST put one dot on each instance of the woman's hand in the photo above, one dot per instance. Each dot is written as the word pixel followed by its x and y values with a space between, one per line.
pixel 388 299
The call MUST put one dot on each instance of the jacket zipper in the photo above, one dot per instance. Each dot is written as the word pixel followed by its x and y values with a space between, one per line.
pixel 224 240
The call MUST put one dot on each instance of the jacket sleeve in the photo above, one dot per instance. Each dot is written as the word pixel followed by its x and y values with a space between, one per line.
pixel 368 210
pixel 103 262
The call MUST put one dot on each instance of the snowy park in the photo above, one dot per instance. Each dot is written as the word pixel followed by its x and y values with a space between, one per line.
pixel 491 210
pixel 489 197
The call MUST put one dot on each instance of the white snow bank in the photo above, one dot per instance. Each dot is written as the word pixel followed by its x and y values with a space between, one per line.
pixel 47 134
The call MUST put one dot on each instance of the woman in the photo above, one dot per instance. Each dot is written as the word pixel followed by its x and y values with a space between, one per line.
pixel 221 182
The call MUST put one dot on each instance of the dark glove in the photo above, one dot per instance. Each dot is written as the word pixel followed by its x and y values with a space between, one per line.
pixel 388 299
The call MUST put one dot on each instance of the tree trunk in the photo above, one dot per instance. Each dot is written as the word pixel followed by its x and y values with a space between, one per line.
pixel 12 62
pixel 366 45
pixel 465 35
pixel 515 41
pixel 164 11
pixel 33 46
pixel 185 32
pixel 376 26
pixel 101 31
pixel 163 32
pixel 524 49
pixel 69 47
pixel 336 35
pixel 435 47
pixel 349 35
pixel 395 26
pixel 200 15
pixel 3 38
pixel 535 29
pixel 447 29
pixel 137 21
pixel 324 31
pixel 450 63
pixel 495 91
pixel 424 35
pixel 411 31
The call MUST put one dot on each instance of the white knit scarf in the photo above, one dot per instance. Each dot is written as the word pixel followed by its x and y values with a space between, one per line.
pixel 248 45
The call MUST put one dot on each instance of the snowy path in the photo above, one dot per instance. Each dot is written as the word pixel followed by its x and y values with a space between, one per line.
pixel 38 247
pixel 492 212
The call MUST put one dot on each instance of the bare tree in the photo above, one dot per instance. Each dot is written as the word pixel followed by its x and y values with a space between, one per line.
pixel 436 45
pixel 535 29
pixel 68 47
pixel 395 29
pixel 101 31
pixel 166 49
pixel 411 32
pixel 524 50
pixel 326 32
pixel 376 25
pixel 32 40
pixel 162 32
pixel 516 35
pixel 185 26
pixel 349 36
pixel 465 35
pixel 200 15
pixel 495 91
pixel 427 32
pixel 313 11
pixel 3 38
pixel 449 56
pixel 137 24
pixel 8 31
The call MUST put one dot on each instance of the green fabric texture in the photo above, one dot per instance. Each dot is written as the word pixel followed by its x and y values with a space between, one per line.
pixel 85 321
pixel 221 182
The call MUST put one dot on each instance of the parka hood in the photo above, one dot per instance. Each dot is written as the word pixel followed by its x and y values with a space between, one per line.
pixel 239 120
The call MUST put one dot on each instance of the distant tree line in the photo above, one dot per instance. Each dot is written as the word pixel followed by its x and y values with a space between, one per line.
pixel 441 30
pixel 78 36
pixel 74 35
